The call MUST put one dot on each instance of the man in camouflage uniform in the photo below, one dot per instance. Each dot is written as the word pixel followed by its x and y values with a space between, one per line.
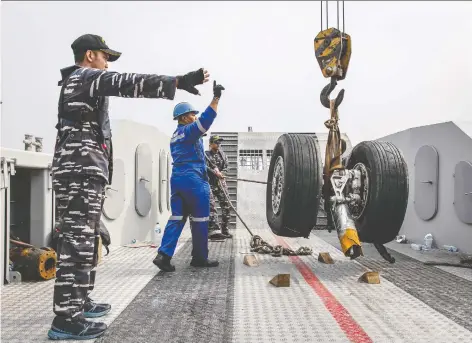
pixel 217 166
pixel 82 169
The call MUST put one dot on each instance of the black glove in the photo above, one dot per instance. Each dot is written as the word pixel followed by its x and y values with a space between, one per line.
pixel 188 81
pixel 217 90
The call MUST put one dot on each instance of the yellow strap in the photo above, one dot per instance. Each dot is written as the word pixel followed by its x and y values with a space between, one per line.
pixel 349 239
pixel 333 145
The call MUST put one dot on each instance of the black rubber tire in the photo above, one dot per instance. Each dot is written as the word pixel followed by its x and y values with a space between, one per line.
pixel 387 199
pixel 301 192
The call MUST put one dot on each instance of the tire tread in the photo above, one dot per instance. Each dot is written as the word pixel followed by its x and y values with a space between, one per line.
pixel 302 189
pixel 388 190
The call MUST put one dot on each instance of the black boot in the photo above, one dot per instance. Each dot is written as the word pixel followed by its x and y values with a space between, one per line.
pixel 94 310
pixel 162 261
pixel 226 234
pixel 216 236
pixel 196 262
pixel 77 329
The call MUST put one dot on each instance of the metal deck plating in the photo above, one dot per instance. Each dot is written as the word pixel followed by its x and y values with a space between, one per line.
pixel 236 303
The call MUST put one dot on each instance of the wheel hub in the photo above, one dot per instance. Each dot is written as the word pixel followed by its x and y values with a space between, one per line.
pixel 360 187
pixel 277 184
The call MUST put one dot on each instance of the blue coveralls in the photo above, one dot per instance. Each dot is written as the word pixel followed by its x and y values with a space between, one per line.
pixel 190 191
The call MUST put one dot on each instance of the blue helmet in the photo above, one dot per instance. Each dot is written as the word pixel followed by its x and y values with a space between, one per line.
pixel 183 108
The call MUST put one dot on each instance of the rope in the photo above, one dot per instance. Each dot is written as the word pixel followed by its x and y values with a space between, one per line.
pixel 333 146
pixel 321 12
pixel 337 16
pixel 231 205
pixel 327 16
pixel 245 180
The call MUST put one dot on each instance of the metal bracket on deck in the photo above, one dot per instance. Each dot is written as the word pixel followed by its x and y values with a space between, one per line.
pixel 15 277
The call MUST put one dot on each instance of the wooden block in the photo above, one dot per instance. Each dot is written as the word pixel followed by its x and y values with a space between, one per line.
pixel 281 280
pixel 250 260
pixel 325 257
pixel 370 277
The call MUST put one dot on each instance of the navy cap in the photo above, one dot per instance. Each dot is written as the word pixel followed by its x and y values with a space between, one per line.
pixel 94 42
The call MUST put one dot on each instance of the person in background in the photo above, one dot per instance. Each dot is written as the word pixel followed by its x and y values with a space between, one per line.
pixel 217 164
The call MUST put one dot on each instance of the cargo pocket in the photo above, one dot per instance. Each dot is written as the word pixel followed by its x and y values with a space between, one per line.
pixel 62 201
pixel 76 248
pixel 77 237
pixel 95 194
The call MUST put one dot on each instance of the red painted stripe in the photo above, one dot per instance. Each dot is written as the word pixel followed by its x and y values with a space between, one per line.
pixel 350 327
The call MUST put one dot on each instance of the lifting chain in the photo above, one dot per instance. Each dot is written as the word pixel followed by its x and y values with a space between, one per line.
pixel 262 247
pixel 258 244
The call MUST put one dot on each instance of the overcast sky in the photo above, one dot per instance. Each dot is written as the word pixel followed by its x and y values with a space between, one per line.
pixel 410 65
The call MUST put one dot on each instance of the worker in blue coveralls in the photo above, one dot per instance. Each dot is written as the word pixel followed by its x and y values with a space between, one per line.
pixel 190 191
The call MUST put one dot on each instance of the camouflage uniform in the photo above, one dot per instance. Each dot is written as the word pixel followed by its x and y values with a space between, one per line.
pixel 81 170
pixel 213 225
pixel 220 161
pixel 79 204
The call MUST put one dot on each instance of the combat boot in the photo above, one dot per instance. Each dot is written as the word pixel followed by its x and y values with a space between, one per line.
pixel 226 234
pixel 197 262
pixel 162 261
pixel 94 310
pixel 77 328
pixel 216 236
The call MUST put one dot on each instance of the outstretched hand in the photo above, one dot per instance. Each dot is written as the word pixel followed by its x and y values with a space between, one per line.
pixel 188 81
pixel 217 90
